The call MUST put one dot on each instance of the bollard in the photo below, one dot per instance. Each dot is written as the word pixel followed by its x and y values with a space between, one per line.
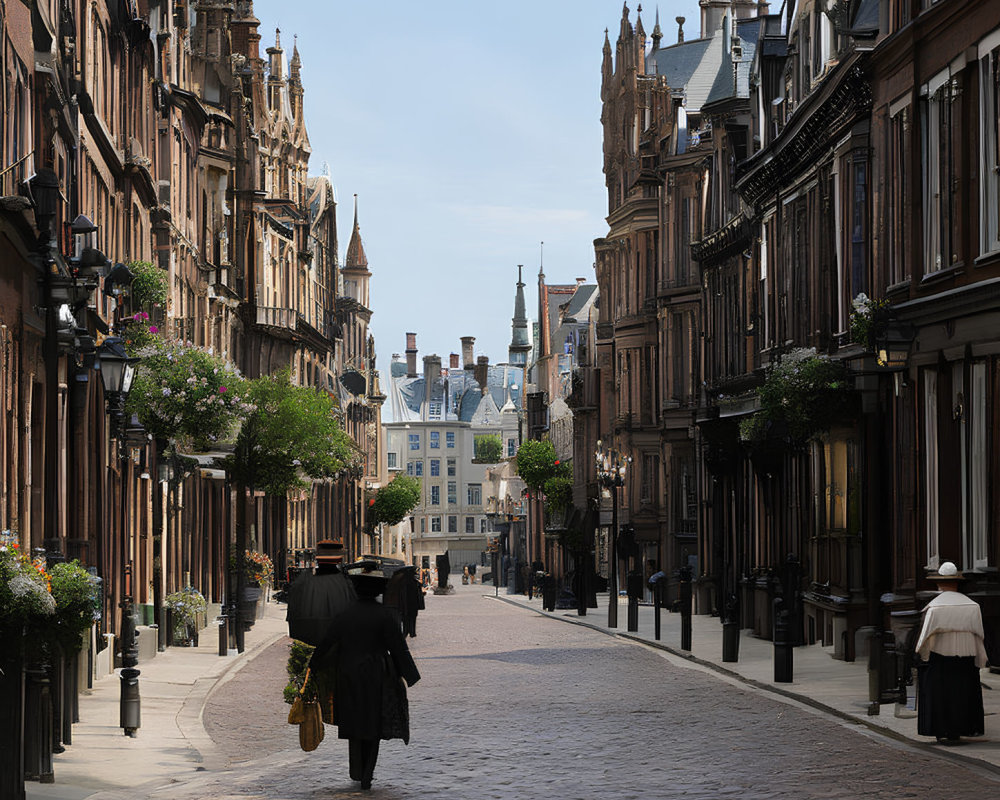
pixel 223 623
pixel 634 588
pixel 782 644
pixel 684 590
pixel 731 630
pixel 129 711
pixel 38 727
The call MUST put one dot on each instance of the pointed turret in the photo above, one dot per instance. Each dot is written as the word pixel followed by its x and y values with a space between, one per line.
pixel 657 33
pixel 355 272
pixel 520 343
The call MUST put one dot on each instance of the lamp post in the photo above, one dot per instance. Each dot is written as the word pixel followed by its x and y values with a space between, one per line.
pixel 117 370
pixel 612 467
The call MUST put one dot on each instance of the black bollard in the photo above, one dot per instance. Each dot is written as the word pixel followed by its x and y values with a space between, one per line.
pixel 129 703
pixel 731 631
pixel 684 589
pixel 634 586
pixel 38 727
pixel 223 635
pixel 782 644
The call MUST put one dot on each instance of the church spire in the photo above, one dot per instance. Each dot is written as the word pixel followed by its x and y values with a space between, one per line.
pixel 520 344
pixel 356 258
pixel 657 33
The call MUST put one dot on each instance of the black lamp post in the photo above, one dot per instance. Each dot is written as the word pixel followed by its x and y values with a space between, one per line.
pixel 611 469
pixel 117 370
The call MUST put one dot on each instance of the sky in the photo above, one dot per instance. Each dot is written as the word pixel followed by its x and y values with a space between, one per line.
pixel 471 134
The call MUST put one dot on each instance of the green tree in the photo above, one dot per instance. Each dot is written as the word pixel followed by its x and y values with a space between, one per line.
pixel 536 462
pixel 488 447
pixel 149 285
pixel 395 500
pixel 289 432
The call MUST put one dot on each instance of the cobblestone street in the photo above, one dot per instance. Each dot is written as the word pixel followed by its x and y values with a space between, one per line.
pixel 513 705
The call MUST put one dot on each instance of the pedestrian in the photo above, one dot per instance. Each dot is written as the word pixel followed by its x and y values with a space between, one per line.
pixel 314 599
pixel 949 694
pixel 405 595
pixel 365 650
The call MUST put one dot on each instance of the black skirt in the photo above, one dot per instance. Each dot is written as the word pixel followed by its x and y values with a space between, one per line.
pixel 949 697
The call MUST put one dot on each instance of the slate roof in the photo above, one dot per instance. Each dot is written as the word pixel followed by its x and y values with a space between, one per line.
pixel 464 395
pixel 748 30
pixel 691 66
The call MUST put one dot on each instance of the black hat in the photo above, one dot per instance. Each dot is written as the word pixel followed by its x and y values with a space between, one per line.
pixel 367 577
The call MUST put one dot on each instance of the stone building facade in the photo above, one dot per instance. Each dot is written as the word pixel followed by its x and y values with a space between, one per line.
pixel 158 133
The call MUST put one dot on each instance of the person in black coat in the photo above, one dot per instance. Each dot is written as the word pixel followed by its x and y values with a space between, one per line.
pixel 405 594
pixel 365 650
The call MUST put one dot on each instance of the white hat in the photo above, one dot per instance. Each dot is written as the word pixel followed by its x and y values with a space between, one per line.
pixel 948 569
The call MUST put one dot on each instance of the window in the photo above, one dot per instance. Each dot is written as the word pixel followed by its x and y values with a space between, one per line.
pixel 452 524
pixel 451 468
pixel 418 468
pixel 435 440
pixel 436 524
pixel 449 438
pixel 414 441
pixel 896 190
pixel 409 468
pixel 978 492
pixel 470 524
pixel 452 493
pixel 989 141
pixel 391 460
pixel 435 467
pixel 931 466
pixel 475 494
pixel 434 410
pixel 835 490
pixel 647 487
pixel 423 525
pixel 435 495
pixel 511 448
pixel 939 187
pixel 482 526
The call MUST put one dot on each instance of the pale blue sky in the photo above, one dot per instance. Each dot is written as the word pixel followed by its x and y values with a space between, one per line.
pixel 471 133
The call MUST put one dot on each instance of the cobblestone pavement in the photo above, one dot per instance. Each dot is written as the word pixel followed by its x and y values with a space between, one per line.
pixel 513 705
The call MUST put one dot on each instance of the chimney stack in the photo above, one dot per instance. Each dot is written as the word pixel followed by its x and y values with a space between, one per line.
pixel 432 373
pixel 680 29
pixel 453 361
pixel 411 355
pixel 482 371
pixel 467 342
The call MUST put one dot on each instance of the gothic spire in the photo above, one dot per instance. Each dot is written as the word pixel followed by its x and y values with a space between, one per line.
pixel 356 258
pixel 520 344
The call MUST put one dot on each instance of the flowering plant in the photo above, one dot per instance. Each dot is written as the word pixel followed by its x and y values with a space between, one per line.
pixel 865 316
pixel 259 567
pixel 78 603
pixel 802 395
pixel 183 392
pixel 26 599
pixel 138 334
pixel 186 604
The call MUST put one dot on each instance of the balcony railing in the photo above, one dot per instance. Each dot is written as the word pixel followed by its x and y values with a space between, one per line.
pixel 276 317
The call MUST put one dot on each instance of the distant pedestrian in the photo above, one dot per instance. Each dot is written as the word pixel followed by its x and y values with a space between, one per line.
pixel 370 660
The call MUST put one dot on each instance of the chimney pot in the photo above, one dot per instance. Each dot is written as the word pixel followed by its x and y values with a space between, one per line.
pixel 453 361
pixel 680 29
pixel 467 343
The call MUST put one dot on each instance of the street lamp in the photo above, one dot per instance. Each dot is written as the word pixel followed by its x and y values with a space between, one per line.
pixel 117 371
pixel 611 469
